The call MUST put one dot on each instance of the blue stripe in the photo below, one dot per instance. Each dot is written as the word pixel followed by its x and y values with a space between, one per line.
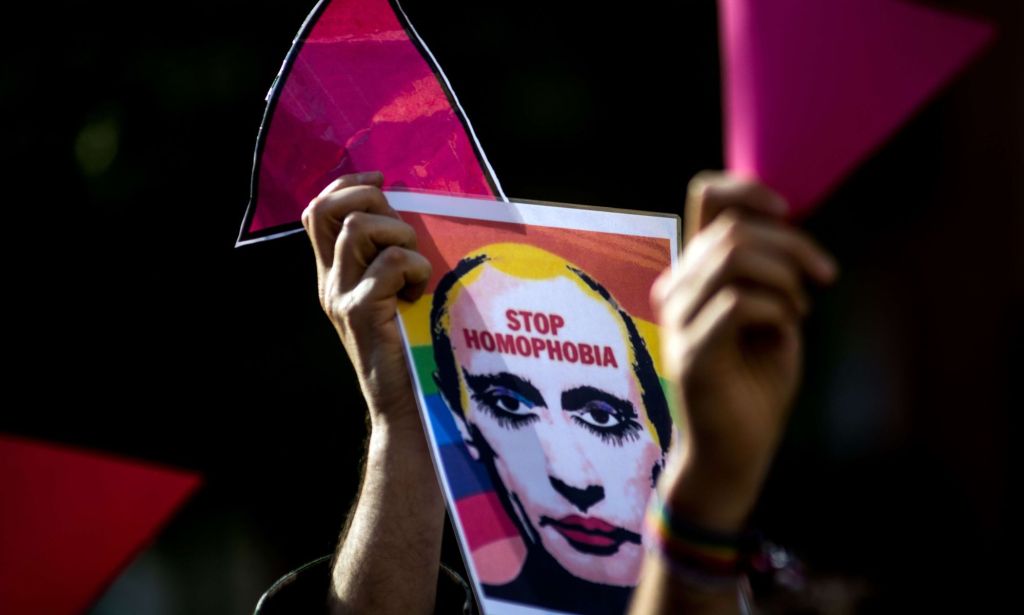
pixel 466 476
pixel 442 421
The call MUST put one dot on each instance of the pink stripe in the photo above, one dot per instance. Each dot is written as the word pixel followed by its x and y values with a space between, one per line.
pixel 484 520
pixel 501 561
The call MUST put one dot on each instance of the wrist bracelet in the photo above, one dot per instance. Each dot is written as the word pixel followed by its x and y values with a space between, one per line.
pixel 716 560
pixel 704 557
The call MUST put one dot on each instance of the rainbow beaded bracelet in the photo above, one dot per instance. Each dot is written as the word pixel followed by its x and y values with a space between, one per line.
pixel 715 560
pixel 696 554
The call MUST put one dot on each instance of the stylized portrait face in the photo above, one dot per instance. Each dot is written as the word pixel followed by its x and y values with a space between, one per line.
pixel 550 395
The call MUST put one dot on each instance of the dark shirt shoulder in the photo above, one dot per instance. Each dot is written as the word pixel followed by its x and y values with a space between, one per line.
pixel 304 590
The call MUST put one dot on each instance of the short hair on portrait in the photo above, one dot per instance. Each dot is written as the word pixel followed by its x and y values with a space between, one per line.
pixel 447 375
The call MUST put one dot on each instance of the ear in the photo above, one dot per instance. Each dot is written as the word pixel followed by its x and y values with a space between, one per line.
pixel 459 418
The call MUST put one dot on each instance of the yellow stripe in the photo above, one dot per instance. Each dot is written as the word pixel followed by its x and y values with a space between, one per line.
pixel 649 331
pixel 416 318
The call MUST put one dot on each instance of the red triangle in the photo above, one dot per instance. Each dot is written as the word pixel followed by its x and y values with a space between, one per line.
pixel 811 88
pixel 69 521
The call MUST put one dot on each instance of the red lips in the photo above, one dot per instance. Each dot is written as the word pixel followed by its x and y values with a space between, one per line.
pixel 587 530
pixel 594 524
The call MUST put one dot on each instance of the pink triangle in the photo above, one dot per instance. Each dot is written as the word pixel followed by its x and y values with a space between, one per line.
pixel 69 521
pixel 359 91
pixel 812 87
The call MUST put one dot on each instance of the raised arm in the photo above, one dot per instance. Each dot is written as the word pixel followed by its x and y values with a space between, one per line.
pixel 387 560
pixel 730 325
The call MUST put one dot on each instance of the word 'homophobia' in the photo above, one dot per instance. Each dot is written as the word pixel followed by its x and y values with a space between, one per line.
pixel 531 346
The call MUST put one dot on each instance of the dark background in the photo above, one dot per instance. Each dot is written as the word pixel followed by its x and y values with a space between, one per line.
pixel 136 327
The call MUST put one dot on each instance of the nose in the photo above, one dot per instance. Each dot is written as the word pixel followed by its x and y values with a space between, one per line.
pixel 580 498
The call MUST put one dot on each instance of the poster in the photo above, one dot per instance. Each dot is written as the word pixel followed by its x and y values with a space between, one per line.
pixel 536 362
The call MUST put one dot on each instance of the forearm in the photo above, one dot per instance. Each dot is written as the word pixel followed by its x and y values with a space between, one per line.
pixel 731 344
pixel 388 559
pixel 389 554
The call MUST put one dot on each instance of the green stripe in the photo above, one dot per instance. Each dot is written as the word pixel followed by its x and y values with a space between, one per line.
pixel 423 356
pixel 666 388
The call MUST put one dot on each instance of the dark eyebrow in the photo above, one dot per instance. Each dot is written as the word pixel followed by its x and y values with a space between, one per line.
pixel 481 383
pixel 577 398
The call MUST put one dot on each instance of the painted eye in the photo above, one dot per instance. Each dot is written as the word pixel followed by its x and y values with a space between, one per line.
pixel 600 415
pixel 508 401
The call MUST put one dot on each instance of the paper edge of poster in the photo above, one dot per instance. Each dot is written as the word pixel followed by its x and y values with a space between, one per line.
pixel 555 215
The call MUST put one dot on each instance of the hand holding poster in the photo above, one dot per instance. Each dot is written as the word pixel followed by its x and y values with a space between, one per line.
pixel 537 371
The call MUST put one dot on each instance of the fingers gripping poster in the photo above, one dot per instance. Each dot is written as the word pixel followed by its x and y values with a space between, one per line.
pixel 536 362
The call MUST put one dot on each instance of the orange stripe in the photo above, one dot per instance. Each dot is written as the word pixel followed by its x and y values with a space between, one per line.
pixel 627 266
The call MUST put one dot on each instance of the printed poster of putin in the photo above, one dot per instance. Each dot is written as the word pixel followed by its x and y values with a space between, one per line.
pixel 535 353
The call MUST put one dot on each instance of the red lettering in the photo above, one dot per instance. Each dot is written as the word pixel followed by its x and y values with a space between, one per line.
pixel 554 350
pixel 526 318
pixel 525 345
pixel 571 354
pixel 557 322
pixel 506 343
pixel 538 346
pixel 513 323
